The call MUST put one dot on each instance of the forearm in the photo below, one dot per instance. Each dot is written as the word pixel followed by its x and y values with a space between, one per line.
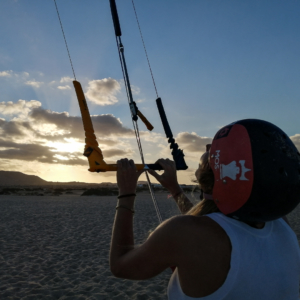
pixel 183 202
pixel 122 236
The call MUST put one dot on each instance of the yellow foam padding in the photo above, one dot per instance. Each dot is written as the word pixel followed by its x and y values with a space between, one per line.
pixel 91 149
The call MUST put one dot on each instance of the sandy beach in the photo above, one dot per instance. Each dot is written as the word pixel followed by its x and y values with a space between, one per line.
pixel 58 247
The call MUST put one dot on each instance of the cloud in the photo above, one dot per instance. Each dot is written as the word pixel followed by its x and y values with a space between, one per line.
pixel 6 73
pixel 33 83
pixel 192 142
pixel 65 87
pixel 135 90
pixel 116 152
pixel 104 125
pixel 50 137
pixel 107 142
pixel 296 140
pixel 13 129
pixel 20 107
pixel 102 92
pixel 66 79
pixel 37 152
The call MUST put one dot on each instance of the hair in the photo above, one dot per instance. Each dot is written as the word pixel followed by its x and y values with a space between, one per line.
pixel 206 184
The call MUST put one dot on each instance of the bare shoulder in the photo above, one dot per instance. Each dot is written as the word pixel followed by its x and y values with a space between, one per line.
pixel 203 250
pixel 202 224
pixel 199 231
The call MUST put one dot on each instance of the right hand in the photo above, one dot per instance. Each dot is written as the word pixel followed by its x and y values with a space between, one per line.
pixel 168 179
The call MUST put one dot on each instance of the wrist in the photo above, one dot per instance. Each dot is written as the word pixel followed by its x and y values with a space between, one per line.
pixel 121 195
pixel 176 194
pixel 174 188
pixel 177 190
pixel 127 201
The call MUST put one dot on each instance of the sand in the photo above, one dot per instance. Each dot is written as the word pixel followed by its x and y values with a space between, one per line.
pixel 58 247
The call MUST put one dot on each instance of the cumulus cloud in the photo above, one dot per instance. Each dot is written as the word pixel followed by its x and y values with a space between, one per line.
pixel 135 90
pixel 296 140
pixel 33 83
pixel 64 87
pixel 192 142
pixel 51 137
pixel 66 79
pixel 116 152
pixel 36 152
pixel 104 125
pixel 102 92
pixel 15 129
pixel 6 73
pixel 21 107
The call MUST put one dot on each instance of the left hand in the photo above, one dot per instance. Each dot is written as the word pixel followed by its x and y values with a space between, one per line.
pixel 127 176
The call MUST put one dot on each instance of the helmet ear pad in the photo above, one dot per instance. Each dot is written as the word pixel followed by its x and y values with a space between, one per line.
pixel 265 184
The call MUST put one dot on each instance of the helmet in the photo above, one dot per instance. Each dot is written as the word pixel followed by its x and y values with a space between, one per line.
pixel 256 170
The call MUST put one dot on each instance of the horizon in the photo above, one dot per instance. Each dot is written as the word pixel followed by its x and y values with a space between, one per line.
pixel 213 63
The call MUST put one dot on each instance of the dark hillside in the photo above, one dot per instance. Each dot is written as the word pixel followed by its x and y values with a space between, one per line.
pixel 18 178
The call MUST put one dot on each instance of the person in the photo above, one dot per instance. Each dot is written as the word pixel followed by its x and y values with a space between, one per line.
pixel 235 243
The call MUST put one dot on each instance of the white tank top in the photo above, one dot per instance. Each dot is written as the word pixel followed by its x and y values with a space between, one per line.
pixel 265 263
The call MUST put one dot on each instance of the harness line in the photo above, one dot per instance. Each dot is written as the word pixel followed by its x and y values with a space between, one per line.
pixel 177 153
pixel 142 38
pixel 62 29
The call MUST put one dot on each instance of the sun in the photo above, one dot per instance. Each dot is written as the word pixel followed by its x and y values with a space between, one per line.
pixel 70 146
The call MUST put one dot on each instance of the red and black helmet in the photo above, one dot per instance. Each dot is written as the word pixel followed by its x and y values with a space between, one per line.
pixel 257 171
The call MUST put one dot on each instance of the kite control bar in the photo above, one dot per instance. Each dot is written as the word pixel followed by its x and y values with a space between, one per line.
pixel 177 153
pixel 91 149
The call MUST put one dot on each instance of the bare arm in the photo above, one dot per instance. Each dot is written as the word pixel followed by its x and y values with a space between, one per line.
pixel 183 202
pixel 161 250
pixel 169 181
pixel 152 257
pixel 144 261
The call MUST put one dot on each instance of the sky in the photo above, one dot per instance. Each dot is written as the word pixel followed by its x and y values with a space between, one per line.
pixel 214 62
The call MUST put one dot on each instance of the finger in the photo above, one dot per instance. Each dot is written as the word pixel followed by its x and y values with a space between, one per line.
pixel 119 164
pixel 170 162
pixel 131 164
pixel 162 162
pixel 125 163
pixel 166 164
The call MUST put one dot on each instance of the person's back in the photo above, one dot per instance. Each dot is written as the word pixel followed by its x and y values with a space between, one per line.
pixel 261 266
pixel 234 243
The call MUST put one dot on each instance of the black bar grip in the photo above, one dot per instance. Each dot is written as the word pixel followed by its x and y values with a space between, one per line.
pixel 163 118
pixel 155 167
pixel 114 14
pixel 177 153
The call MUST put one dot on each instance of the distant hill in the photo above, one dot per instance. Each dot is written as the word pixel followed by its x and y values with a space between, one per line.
pixel 18 178
pixel 11 178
